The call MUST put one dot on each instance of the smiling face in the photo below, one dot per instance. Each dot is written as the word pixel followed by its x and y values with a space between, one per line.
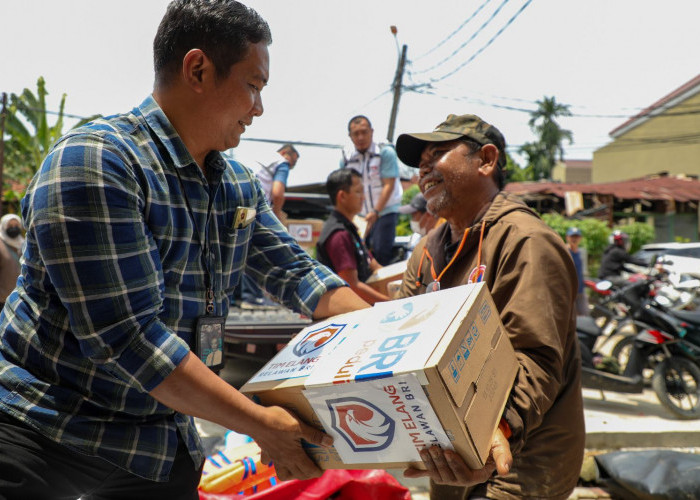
pixel 235 100
pixel 448 173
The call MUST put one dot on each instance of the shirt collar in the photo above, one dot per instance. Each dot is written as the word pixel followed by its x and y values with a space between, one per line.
pixel 170 139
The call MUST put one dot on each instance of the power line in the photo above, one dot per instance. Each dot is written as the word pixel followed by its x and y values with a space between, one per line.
pixel 498 33
pixel 49 112
pixel 680 110
pixel 459 28
pixel 296 143
pixel 474 35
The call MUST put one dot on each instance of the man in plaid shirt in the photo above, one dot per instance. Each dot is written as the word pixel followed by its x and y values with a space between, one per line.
pixel 137 228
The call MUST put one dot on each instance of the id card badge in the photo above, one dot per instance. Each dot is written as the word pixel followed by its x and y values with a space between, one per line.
pixel 209 334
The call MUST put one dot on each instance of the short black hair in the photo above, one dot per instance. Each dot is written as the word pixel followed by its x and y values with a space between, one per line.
pixel 499 175
pixel 288 147
pixel 340 180
pixel 222 29
pixel 358 119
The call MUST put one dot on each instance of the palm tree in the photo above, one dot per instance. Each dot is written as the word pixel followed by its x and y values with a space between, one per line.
pixel 551 135
pixel 29 134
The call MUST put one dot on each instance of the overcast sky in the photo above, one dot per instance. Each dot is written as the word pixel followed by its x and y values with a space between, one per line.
pixel 331 59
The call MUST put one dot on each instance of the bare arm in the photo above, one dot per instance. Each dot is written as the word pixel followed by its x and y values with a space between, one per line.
pixel 387 189
pixel 277 196
pixel 338 301
pixel 195 390
pixel 365 291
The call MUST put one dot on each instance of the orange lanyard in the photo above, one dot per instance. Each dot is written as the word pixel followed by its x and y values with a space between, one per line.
pixel 436 277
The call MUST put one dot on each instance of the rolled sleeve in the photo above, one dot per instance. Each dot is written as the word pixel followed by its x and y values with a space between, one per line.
pixel 102 261
pixel 390 166
pixel 150 357
pixel 279 265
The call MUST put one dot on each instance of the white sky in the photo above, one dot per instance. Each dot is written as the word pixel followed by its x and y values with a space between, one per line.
pixel 331 59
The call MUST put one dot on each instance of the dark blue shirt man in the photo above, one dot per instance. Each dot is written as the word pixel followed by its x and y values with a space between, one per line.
pixel 137 234
pixel 573 240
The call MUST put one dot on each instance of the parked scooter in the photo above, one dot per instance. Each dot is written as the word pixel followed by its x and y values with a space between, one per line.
pixel 676 376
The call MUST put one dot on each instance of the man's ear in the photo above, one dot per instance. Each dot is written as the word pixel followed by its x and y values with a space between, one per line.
pixel 196 69
pixel 340 197
pixel 489 159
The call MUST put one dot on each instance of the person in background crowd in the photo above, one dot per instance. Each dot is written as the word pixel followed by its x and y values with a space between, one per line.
pixel 494 238
pixel 10 249
pixel 379 169
pixel 578 254
pixel 340 246
pixel 137 233
pixel 422 221
pixel 615 257
pixel 273 174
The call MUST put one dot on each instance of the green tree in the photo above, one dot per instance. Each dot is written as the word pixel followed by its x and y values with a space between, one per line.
pixel 595 236
pixel 516 173
pixel 536 161
pixel 403 226
pixel 550 134
pixel 29 135
pixel 640 233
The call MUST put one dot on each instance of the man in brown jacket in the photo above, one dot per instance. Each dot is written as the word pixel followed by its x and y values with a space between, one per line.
pixel 495 238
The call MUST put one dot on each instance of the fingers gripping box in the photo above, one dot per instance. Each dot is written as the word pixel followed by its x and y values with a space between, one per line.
pixel 387 381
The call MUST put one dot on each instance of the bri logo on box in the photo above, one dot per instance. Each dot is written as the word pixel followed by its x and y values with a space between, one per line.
pixel 364 426
pixel 316 339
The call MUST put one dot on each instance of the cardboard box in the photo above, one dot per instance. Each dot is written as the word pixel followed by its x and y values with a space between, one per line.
pixel 388 381
pixel 305 231
pixel 380 279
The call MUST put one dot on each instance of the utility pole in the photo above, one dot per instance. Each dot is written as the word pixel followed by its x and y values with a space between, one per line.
pixel 398 79
pixel 3 112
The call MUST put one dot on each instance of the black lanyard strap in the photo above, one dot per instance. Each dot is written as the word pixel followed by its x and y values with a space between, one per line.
pixel 204 245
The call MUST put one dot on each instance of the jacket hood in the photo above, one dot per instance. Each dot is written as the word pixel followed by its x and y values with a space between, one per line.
pixel 502 204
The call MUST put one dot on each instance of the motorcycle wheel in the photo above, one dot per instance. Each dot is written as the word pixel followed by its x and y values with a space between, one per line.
pixel 676 382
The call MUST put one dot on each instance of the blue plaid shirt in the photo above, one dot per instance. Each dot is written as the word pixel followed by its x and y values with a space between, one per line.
pixel 113 280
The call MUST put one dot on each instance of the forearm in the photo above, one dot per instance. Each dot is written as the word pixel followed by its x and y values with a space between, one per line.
pixel 369 294
pixel 193 389
pixel 277 196
pixel 338 301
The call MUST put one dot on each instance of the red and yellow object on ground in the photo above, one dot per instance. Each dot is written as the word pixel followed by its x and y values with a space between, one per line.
pixel 237 470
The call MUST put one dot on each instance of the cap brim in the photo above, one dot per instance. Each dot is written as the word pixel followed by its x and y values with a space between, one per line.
pixel 407 209
pixel 409 147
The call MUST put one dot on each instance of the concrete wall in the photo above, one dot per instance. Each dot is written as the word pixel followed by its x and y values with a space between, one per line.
pixel 668 142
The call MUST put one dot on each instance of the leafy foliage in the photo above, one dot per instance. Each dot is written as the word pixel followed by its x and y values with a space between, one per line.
pixel 403 226
pixel 595 235
pixel 639 233
pixel 29 136
pixel 542 154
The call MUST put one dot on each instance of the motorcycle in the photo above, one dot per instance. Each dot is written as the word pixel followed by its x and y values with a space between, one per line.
pixel 671 353
pixel 682 326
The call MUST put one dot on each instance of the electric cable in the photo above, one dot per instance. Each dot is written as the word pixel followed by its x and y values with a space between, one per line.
pixel 491 40
pixel 451 35
pixel 474 35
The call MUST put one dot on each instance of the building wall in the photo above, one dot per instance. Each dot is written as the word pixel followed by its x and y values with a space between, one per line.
pixel 564 172
pixel 668 142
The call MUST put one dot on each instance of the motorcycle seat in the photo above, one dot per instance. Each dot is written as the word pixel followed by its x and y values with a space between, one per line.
pixel 687 316
pixel 587 325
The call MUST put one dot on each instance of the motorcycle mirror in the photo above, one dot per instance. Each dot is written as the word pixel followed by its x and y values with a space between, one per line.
pixel 663 301
pixel 654 259
pixel 603 285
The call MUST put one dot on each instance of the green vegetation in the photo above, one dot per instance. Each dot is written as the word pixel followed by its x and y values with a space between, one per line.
pixel 543 153
pixel 29 137
pixel 403 227
pixel 596 233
